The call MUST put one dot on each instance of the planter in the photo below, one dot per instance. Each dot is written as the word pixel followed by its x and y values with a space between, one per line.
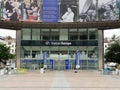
pixel 42 70
pixel 2 71
pixel 113 72
pixel 119 72
pixel 22 70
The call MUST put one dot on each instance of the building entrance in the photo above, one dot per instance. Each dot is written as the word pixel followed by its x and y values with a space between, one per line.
pixel 60 57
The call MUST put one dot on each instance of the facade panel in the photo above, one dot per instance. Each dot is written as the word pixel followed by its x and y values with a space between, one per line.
pixel 61 50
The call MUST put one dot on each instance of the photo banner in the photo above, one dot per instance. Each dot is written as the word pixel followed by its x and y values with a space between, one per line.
pixel 68 11
pixel 50 11
pixel 87 11
pixel 108 10
pixel 21 10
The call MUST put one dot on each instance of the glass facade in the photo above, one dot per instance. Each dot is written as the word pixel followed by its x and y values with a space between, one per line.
pixel 61 46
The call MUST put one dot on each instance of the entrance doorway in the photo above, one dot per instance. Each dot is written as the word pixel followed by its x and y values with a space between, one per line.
pixel 63 56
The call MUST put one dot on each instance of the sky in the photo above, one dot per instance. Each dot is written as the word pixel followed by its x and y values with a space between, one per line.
pixel 107 33
pixel 6 32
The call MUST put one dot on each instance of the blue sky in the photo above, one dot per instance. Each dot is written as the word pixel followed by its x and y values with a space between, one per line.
pixel 107 33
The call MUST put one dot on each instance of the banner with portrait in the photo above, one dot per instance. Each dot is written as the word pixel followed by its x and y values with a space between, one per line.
pixel 87 11
pixel 21 10
pixel 107 10
pixel 68 11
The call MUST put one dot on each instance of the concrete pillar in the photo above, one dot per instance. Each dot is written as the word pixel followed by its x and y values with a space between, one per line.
pixel 100 49
pixel 18 45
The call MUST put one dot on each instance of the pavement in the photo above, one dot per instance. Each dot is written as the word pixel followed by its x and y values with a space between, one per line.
pixel 60 80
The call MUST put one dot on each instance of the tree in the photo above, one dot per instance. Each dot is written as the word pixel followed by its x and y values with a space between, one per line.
pixel 5 54
pixel 113 52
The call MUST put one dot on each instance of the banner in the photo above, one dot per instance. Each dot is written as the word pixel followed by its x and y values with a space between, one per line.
pixel 50 11
pixel 68 11
pixel 107 10
pixel 21 10
pixel 66 64
pixel 77 59
pixel 45 59
pixel 51 63
pixel 59 10
pixel 87 11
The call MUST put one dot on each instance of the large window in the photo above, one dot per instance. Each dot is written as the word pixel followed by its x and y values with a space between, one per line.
pixel 45 34
pixel 83 34
pixel 35 34
pixel 92 34
pixel 73 34
pixel 26 34
pixel 54 34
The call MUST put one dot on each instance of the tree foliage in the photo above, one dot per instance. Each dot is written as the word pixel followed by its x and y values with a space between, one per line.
pixel 5 53
pixel 113 52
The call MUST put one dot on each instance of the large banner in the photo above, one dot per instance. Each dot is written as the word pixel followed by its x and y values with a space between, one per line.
pixel 87 10
pixel 21 10
pixel 59 10
pixel 107 10
pixel 68 11
pixel 50 11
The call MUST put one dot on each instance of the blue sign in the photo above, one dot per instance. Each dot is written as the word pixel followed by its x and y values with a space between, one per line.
pixel 66 64
pixel 50 11
pixel 77 59
pixel 51 64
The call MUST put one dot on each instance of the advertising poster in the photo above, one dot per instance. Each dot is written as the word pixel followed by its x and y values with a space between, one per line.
pixel 49 10
pixel 68 11
pixel 21 10
pixel 107 10
pixel 87 10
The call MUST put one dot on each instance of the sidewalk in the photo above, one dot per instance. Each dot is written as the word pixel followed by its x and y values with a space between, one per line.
pixel 60 80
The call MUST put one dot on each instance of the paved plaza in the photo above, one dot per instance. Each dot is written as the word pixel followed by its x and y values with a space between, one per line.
pixel 60 80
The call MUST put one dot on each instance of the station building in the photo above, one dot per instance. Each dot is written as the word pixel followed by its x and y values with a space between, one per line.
pixel 55 29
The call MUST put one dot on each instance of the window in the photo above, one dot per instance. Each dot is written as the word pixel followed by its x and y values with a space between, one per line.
pixel 83 34
pixel 26 34
pixel 35 34
pixel 54 34
pixel 45 34
pixel 73 34
pixel 92 34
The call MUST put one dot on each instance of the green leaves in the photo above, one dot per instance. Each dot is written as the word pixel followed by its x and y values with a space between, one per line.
pixel 5 53
pixel 113 52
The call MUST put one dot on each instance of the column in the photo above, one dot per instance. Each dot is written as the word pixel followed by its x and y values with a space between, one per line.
pixel 100 49
pixel 18 46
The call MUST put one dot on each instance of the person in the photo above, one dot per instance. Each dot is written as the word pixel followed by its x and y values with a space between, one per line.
pixel 111 12
pixel 8 6
pixel 101 12
pixel 23 10
pixel 68 16
pixel 14 16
